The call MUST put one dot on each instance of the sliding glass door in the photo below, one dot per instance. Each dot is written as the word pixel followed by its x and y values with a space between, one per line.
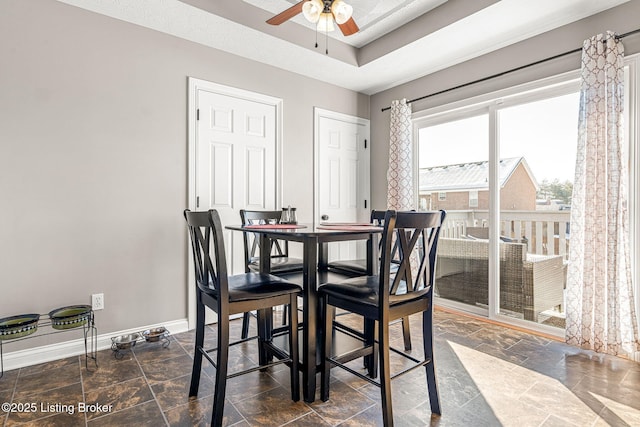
pixel 537 145
pixel 503 171
pixel 502 166
pixel 453 165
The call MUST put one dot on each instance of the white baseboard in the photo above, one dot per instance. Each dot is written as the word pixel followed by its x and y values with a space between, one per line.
pixel 47 353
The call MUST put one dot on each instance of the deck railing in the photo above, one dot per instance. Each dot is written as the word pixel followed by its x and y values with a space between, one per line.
pixel 545 232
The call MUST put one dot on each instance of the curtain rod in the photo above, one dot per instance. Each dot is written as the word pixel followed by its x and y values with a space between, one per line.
pixel 560 55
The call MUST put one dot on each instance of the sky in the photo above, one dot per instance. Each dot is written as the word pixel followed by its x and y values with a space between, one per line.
pixel 544 132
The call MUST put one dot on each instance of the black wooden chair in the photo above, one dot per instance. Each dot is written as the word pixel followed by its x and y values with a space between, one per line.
pixel 358 267
pixel 227 295
pixel 281 262
pixel 385 297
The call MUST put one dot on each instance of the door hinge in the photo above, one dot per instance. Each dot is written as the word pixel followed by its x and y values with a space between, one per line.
pixel 197 201
pixel 365 144
pixel 198 114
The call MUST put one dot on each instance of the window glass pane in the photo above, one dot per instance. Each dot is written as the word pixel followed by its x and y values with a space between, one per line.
pixel 473 199
pixel 453 171
pixel 537 160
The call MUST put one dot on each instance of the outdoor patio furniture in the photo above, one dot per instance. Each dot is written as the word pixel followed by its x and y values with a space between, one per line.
pixel 529 284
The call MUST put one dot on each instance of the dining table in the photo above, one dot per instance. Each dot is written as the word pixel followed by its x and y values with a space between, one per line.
pixel 315 253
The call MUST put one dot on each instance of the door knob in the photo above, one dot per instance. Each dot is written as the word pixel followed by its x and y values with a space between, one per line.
pixel 324 217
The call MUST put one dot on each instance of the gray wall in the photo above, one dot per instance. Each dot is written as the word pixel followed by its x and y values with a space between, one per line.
pixel 621 19
pixel 93 157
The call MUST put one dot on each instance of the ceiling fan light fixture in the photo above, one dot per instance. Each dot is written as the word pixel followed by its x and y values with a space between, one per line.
pixel 312 9
pixel 341 11
pixel 325 23
pixel 325 14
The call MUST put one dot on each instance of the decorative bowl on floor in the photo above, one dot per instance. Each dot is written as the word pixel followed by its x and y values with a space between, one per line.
pixel 70 317
pixel 124 342
pixel 18 326
pixel 154 335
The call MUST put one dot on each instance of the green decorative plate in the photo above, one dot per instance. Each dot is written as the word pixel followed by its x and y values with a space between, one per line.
pixel 18 326
pixel 70 317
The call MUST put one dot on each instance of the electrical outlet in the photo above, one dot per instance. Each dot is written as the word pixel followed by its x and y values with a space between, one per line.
pixel 97 301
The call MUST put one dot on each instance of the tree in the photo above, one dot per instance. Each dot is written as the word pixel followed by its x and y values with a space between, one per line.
pixel 556 190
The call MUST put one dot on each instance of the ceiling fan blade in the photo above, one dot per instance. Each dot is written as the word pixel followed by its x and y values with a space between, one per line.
pixel 348 28
pixel 287 14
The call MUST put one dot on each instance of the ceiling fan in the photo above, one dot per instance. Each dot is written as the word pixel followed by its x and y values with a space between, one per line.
pixel 323 13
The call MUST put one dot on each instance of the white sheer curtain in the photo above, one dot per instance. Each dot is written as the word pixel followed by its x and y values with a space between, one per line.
pixel 400 194
pixel 600 305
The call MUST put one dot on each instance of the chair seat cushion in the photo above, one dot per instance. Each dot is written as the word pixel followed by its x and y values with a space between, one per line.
pixel 364 289
pixel 279 264
pixel 251 286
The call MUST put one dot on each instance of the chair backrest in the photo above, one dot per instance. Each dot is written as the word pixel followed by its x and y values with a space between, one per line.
pixel 207 246
pixel 251 241
pixel 416 236
pixel 377 218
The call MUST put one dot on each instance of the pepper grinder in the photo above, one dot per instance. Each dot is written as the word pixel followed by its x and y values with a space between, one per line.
pixel 292 216
pixel 288 215
pixel 285 216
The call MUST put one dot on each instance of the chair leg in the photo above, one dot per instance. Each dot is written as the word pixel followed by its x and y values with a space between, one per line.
pixel 371 361
pixel 264 325
pixel 197 352
pixel 245 325
pixel 385 373
pixel 406 333
pixel 222 360
pixel 327 336
pixel 427 339
pixel 285 315
pixel 293 350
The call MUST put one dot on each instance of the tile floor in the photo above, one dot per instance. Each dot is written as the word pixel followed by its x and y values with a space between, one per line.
pixel 488 376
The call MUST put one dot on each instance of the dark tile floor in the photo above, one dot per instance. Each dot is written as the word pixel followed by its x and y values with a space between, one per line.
pixel 488 376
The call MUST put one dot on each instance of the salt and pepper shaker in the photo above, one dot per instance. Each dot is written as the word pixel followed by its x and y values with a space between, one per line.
pixel 288 216
pixel 284 218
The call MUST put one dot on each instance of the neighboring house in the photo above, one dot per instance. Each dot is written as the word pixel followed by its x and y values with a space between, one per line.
pixel 465 186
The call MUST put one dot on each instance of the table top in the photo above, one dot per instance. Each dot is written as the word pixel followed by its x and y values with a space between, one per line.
pixel 320 231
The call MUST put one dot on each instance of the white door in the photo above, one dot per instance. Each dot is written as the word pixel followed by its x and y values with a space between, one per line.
pixel 234 158
pixel 236 153
pixel 342 181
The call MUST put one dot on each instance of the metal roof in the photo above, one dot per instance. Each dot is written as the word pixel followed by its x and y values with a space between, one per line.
pixel 468 176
